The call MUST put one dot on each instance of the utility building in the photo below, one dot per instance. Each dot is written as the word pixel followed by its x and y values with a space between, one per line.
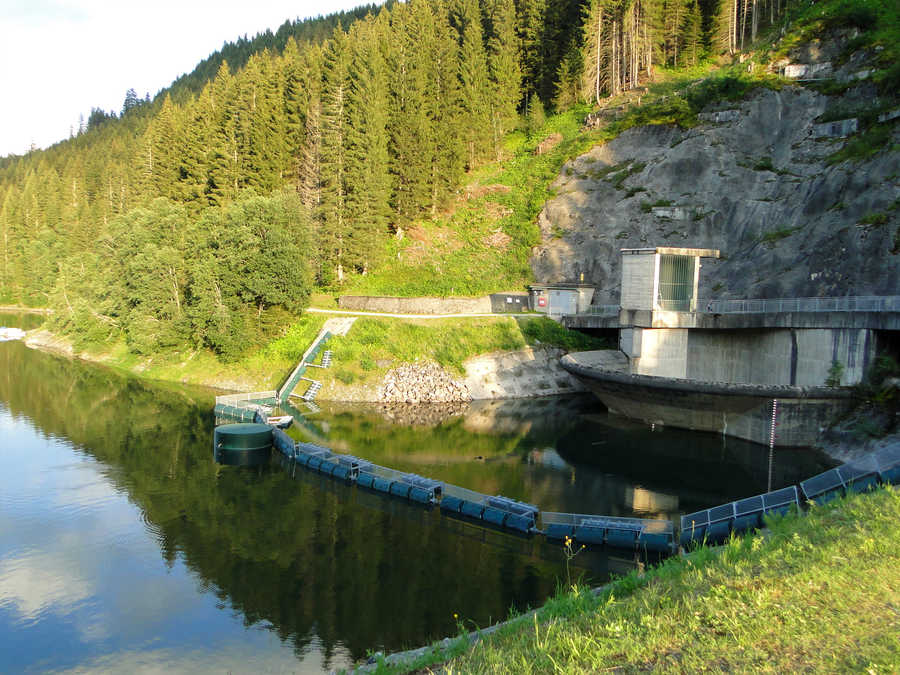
pixel 557 300
pixel 662 278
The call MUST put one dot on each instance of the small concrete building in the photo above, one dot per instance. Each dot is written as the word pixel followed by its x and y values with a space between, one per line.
pixel 662 278
pixel 557 300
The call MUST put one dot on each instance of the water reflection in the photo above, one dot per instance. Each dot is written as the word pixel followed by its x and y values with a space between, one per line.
pixel 123 543
pixel 25 321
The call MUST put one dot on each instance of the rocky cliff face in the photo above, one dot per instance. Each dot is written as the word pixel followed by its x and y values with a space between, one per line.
pixel 751 180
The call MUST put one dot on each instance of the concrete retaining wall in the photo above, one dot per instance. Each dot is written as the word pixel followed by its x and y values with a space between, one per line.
pixel 664 353
pixel 797 357
pixel 800 357
pixel 520 374
pixel 391 305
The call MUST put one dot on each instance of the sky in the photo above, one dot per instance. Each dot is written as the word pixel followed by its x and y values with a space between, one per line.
pixel 61 58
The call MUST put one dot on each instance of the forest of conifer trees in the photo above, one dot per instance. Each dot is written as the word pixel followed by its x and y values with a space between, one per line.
pixel 206 216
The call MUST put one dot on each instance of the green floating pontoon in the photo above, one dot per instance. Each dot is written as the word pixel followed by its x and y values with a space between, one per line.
pixel 242 444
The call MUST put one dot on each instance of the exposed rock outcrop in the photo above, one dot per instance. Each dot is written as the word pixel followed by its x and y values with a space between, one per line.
pixel 754 182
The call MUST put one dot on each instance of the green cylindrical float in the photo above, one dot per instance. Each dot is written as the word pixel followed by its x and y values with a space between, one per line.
pixel 242 444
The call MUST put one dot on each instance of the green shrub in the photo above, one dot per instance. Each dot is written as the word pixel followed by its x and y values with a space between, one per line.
pixel 874 219
pixel 873 140
pixel 545 331
pixel 834 374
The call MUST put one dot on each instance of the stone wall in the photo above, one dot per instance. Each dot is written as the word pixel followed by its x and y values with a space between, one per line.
pixel 392 305
pixel 520 374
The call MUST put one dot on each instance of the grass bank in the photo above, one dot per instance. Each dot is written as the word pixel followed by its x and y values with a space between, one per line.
pixel 375 345
pixel 361 358
pixel 818 593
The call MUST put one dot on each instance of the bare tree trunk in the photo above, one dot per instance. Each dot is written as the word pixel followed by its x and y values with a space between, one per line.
pixel 599 40
pixel 746 4
pixel 754 22
pixel 614 78
pixel 648 53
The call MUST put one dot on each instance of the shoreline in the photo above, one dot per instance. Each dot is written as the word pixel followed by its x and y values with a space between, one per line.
pixel 531 372
pixel 12 309
pixel 839 446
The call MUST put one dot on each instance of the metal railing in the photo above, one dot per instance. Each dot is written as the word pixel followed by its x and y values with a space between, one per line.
pixel 253 397
pixel 863 303
pixel 601 310
pixel 850 303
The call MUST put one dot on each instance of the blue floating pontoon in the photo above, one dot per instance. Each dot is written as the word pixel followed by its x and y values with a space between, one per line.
pixel 713 526
pixel 612 531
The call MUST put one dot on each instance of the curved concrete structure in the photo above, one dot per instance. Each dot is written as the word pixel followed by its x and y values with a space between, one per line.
pixel 740 410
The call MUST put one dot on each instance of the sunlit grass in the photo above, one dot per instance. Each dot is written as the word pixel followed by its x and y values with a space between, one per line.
pixel 818 593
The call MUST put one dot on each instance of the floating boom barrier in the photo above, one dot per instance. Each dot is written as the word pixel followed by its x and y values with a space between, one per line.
pixel 709 526
pixel 613 531
pixel 492 510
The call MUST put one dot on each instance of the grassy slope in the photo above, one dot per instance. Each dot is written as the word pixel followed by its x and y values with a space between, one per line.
pixel 362 357
pixel 373 346
pixel 819 593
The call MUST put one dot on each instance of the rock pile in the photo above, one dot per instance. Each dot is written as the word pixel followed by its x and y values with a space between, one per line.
pixel 421 383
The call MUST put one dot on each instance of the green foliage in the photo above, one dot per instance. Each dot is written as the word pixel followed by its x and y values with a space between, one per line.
pixel 390 342
pixel 226 282
pixel 835 372
pixel 772 237
pixel 874 219
pixel 372 123
pixel 764 164
pixel 647 207
pixel 485 244
pixel 545 331
pixel 535 117
pixel 873 390
pixel 870 142
pixel 879 26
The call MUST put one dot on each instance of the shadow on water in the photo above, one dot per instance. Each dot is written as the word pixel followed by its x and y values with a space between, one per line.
pixel 324 564
pixel 344 570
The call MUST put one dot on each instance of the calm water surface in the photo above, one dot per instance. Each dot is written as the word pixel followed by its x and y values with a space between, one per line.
pixel 124 547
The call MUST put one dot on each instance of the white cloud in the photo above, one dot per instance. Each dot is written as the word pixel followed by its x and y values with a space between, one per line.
pixel 60 58
pixel 36 583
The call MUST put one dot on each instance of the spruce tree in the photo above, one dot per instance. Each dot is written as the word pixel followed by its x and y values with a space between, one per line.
pixel 309 160
pixel 333 215
pixel 162 162
pixel 693 33
pixel 409 125
pixel 505 73
pixel 443 101
pixel 531 30
pixel 473 79
pixel 368 178
pixel 223 161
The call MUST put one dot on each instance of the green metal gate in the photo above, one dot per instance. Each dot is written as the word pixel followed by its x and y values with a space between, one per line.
pixel 676 282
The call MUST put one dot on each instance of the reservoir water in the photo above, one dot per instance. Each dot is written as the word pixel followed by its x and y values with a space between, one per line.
pixel 124 547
